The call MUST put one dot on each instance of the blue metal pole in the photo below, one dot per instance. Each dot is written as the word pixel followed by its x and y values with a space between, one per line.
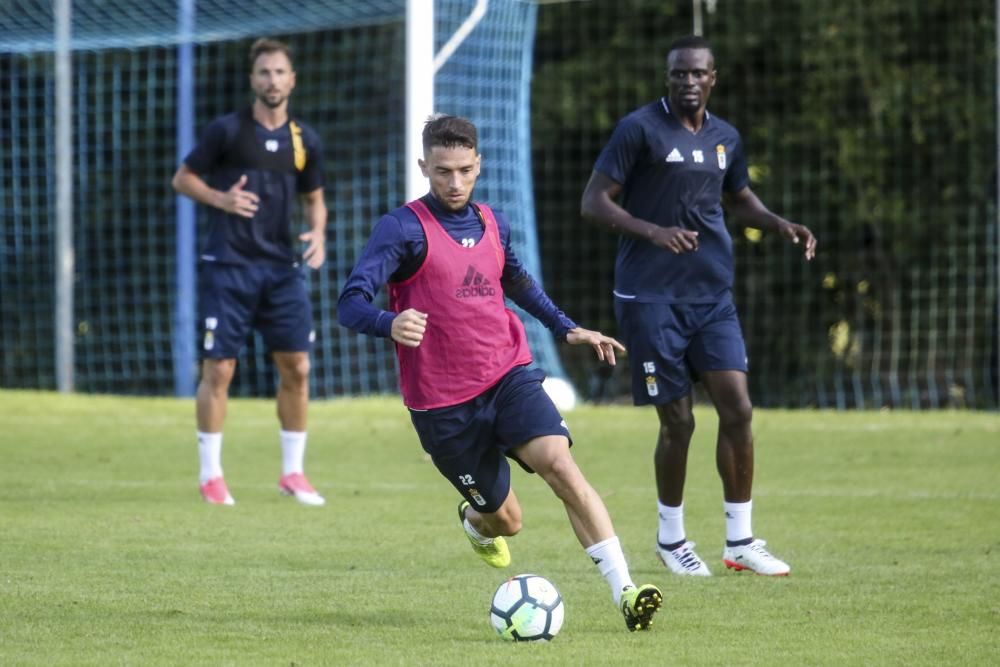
pixel 184 332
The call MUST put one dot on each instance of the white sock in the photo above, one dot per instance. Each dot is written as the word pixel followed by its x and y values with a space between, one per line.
pixel 610 560
pixel 475 534
pixel 738 521
pixel 293 451
pixel 209 456
pixel 671 523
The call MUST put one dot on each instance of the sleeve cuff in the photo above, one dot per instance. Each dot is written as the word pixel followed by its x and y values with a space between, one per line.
pixel 563 329
pixel 383 324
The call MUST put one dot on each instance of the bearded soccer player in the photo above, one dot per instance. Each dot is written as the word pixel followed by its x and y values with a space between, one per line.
pixel 659 183
pixel 248 168
pixel 463 359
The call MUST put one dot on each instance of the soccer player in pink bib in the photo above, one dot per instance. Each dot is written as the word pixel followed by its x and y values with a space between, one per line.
pixel 464 359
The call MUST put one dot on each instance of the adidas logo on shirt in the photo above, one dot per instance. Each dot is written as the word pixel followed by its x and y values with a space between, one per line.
pixel 474 284
pixel 675 156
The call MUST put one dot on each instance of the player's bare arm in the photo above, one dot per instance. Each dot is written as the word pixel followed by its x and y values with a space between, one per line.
pixel 408 327
pixel 750 211
pixel 235 200
pixel 314 206
pixel 599 206
pixel 604 346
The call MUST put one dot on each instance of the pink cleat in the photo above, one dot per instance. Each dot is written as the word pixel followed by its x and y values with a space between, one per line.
pixel 216 492
pixel 296 484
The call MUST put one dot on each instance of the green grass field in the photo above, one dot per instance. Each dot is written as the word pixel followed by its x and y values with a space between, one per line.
pixel 891 522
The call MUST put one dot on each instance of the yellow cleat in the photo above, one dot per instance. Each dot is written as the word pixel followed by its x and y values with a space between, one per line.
pixel 639 605
pixel 495 552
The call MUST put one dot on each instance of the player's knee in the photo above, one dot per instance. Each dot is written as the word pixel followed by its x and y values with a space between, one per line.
pixel 564 477
pixel 295 370
pixel 216 374
pixel 563 468
pixel 677 427
pixel 736 415
pixel 546 455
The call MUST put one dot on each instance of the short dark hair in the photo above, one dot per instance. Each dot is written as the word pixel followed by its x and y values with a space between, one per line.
pixel 268 45
pixel 449 131
pixel 690 42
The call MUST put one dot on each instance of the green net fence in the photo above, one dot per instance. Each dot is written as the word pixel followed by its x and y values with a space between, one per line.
pixel 872 122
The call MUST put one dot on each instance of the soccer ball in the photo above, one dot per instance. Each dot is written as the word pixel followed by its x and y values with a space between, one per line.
pixel 527 608
pixel 561 392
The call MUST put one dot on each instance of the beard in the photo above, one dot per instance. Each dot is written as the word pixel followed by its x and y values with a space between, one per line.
pixel 271 103
pixel 453 205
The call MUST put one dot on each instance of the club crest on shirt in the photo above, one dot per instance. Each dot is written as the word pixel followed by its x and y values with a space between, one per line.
pixel 720 155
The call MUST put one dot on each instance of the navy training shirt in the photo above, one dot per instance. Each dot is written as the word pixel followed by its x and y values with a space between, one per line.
pixel 235 144
pixel 673 177
pixel 396 250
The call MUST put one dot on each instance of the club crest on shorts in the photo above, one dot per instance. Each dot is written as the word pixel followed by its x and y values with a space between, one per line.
pixel 210 324
pixel 649 368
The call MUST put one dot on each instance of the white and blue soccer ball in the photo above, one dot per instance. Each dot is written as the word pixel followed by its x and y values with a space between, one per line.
pixel 527 608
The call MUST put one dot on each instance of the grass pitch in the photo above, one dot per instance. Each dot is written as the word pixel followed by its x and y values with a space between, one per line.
pixel 891 522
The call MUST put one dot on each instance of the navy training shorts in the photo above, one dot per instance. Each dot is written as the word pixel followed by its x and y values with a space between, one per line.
pixel 234 299
pixel 670 344
pixel 469 442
